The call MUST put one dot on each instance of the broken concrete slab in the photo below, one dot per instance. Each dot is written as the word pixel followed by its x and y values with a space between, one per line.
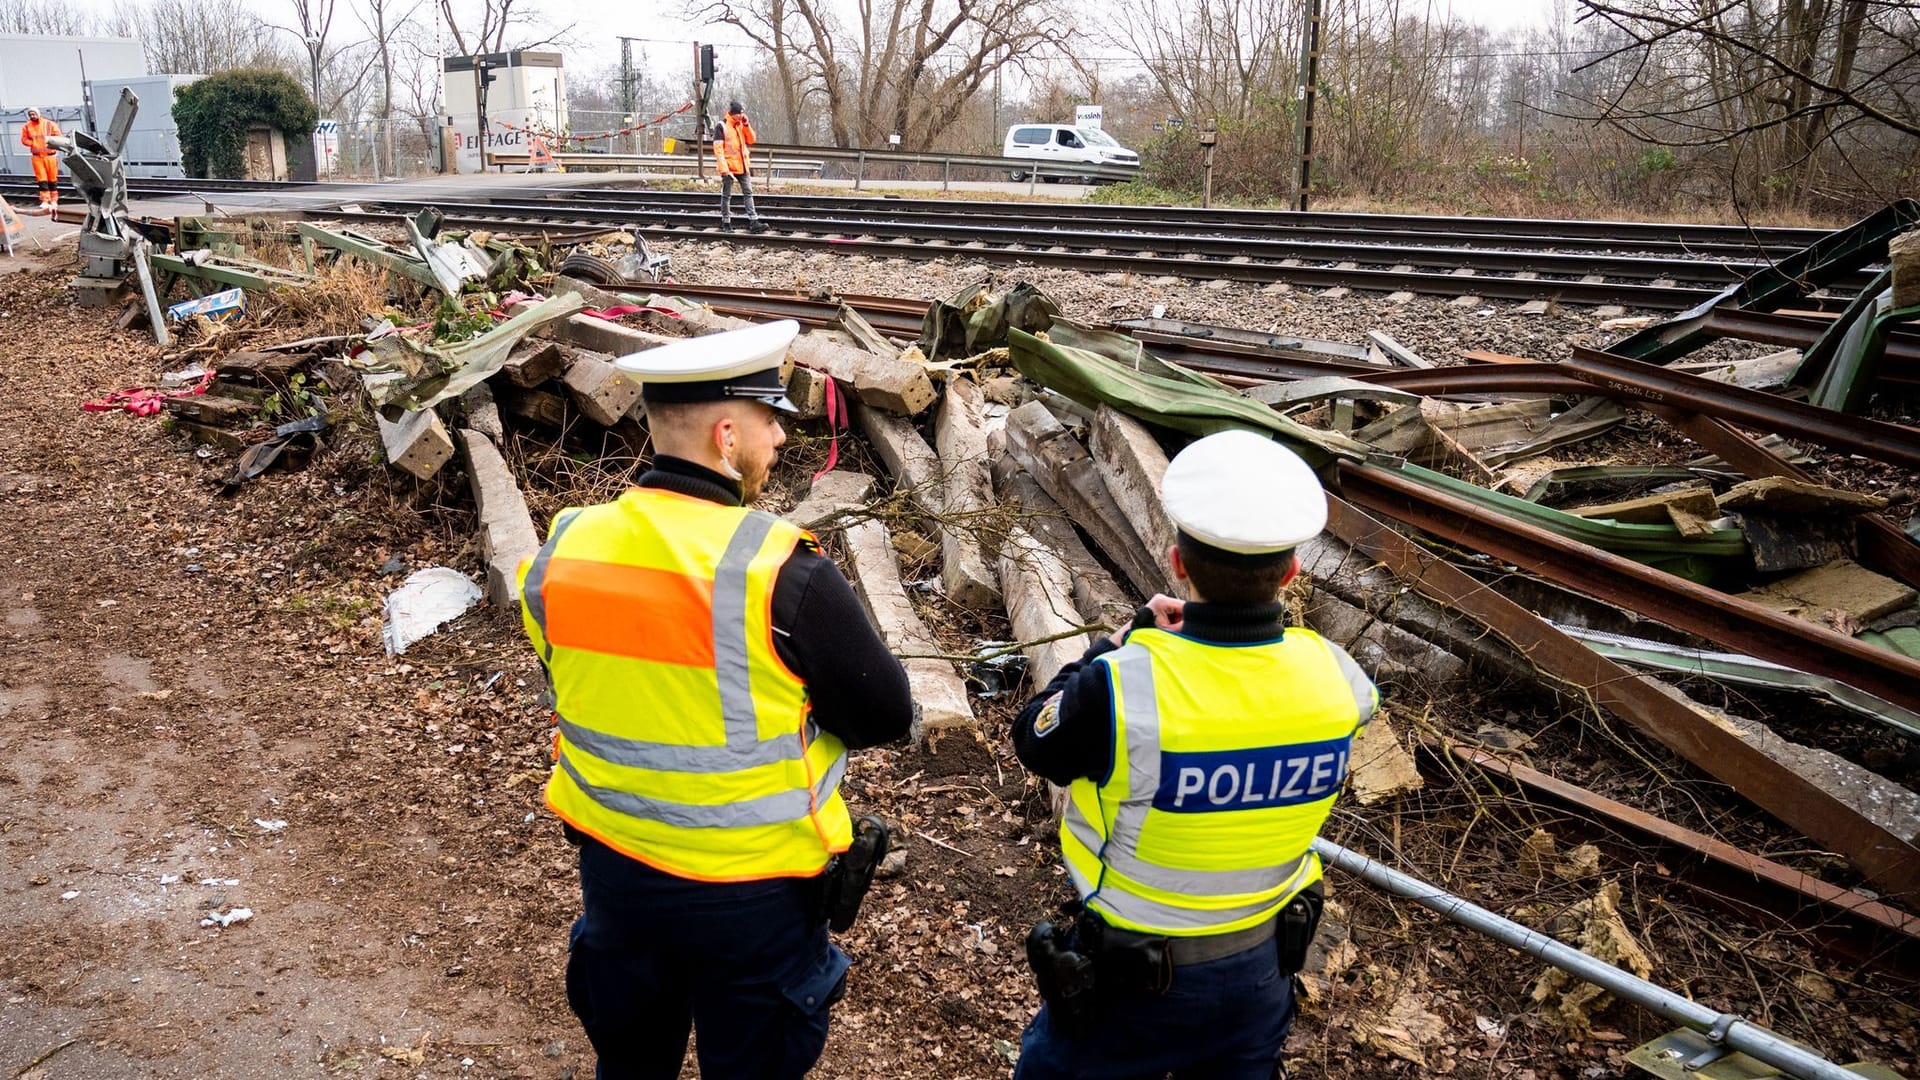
pixel 1758 373
pixel 483 415
pixel 1843 586
pixel 417 443
pixel 966 497
pixel 1067 472
pixel 807 389
pixel 939 695
pixel 1133 465
pixel 829 500
pixel 899 386
pixel 1785 495
pixel 912 463
pixel 534 362
pixel 1389 655
pixel 1096 595
pixel 1904 252
pixel 1874 797
pixel 507 533
pixel 603 392
pixel 1038 589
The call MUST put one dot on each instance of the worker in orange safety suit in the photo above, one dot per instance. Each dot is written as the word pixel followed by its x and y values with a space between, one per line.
pixel 731 138
pixel 46 160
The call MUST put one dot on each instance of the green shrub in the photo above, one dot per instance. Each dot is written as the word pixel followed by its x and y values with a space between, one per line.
pixel 213 116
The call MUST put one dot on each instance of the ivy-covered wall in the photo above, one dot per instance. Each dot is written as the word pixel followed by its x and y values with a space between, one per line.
pixel 213 116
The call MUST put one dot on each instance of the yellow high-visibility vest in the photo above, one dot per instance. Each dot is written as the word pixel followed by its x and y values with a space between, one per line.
pixel 1227 760
pixel 683 740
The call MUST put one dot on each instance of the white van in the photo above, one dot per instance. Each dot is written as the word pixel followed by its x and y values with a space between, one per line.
pixel 1065 144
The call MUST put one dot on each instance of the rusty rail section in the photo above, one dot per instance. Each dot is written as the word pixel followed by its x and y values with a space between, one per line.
pixel 1892 443
pixel 1735 624
pixel 1783 880
pixel 1889 860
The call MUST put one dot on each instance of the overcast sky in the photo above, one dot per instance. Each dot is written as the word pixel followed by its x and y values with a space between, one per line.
pixel 668 34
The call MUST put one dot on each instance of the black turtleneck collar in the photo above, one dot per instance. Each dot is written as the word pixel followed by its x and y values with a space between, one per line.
pixel 1224 625
pixel 684 477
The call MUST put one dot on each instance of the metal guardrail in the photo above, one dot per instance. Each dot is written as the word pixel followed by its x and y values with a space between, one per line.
pixel 658 163
pixel 770 158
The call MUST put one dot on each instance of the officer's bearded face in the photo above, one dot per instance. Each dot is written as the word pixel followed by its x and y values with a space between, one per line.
pixel 758 437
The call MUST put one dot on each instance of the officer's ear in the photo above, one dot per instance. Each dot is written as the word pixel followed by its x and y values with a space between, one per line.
pixel 1179 565
pixel 1293 569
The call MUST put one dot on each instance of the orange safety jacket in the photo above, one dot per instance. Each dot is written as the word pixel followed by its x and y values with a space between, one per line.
pixel 737 135
pixel 34 135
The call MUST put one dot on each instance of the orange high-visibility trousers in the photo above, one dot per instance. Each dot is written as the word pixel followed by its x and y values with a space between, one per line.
pixel 46 171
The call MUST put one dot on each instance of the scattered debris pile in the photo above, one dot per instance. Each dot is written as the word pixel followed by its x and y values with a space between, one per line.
pixel 1630 531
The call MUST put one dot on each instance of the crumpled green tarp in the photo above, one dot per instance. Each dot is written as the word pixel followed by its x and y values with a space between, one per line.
pixel 1156 392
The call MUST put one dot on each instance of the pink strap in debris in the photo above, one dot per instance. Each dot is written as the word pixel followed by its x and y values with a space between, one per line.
pixel 145 400
pixel 836 422
pixel 613 313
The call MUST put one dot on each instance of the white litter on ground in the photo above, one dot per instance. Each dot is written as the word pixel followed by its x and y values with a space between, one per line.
pixel 427 600
pixel 225 919
pixel 271 826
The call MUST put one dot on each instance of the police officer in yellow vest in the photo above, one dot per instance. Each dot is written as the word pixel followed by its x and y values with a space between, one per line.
pixel 1202 748
pixel 710 669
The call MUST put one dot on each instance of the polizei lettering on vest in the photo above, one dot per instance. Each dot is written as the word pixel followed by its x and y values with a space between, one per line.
pixel 1201 781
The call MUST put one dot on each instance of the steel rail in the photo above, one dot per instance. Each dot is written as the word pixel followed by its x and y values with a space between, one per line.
pixel 1750 868
pixel 1652 297
pixel 1727 1029
pixel 1557 230
pixel 1891 443
pixel 1072 233
pixel 1028 215
pixel 1728 621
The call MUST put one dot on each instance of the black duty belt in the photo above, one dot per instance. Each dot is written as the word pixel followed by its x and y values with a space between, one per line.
pixel 1199 950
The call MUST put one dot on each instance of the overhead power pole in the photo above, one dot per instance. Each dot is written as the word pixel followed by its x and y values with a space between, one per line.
pixel 629 95
pixel 1309 87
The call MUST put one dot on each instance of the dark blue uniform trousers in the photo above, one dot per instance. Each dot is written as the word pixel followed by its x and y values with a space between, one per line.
pixel 1225 1019
pixel 653 957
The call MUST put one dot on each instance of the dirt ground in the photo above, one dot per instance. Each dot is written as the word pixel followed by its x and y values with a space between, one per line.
pixel 197 715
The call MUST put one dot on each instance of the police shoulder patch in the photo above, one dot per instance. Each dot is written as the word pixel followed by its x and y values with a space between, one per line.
pixel 1049 719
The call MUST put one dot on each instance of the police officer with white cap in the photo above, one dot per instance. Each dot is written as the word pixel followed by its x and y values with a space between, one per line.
pixel 1203 748
pixel 710 671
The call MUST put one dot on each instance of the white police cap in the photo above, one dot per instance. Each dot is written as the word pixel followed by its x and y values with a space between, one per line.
pixel 1244 493
pixel 742 363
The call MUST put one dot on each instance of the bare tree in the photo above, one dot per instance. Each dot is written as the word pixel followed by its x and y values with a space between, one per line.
pixel 1796 90
pixel 188 37
pixel 906 67
pixel 1225 59
pixel 43 17
pixel 379 20
pixel 498 26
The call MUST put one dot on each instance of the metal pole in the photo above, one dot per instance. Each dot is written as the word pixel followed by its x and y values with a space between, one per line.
pixel 1309 85
pixel 860 170
pixel 1726 1029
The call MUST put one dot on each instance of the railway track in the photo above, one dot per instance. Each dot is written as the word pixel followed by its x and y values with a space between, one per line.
pixel 1646 266
pixel 1447 272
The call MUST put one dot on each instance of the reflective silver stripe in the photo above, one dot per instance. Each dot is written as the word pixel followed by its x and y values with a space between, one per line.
pixel 531 592
pixel 1143 912
pixel 730 649
pixel 782 808
pixel 1123 860
pixel 676 757
pixel 1366 696
pixel 1133 664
